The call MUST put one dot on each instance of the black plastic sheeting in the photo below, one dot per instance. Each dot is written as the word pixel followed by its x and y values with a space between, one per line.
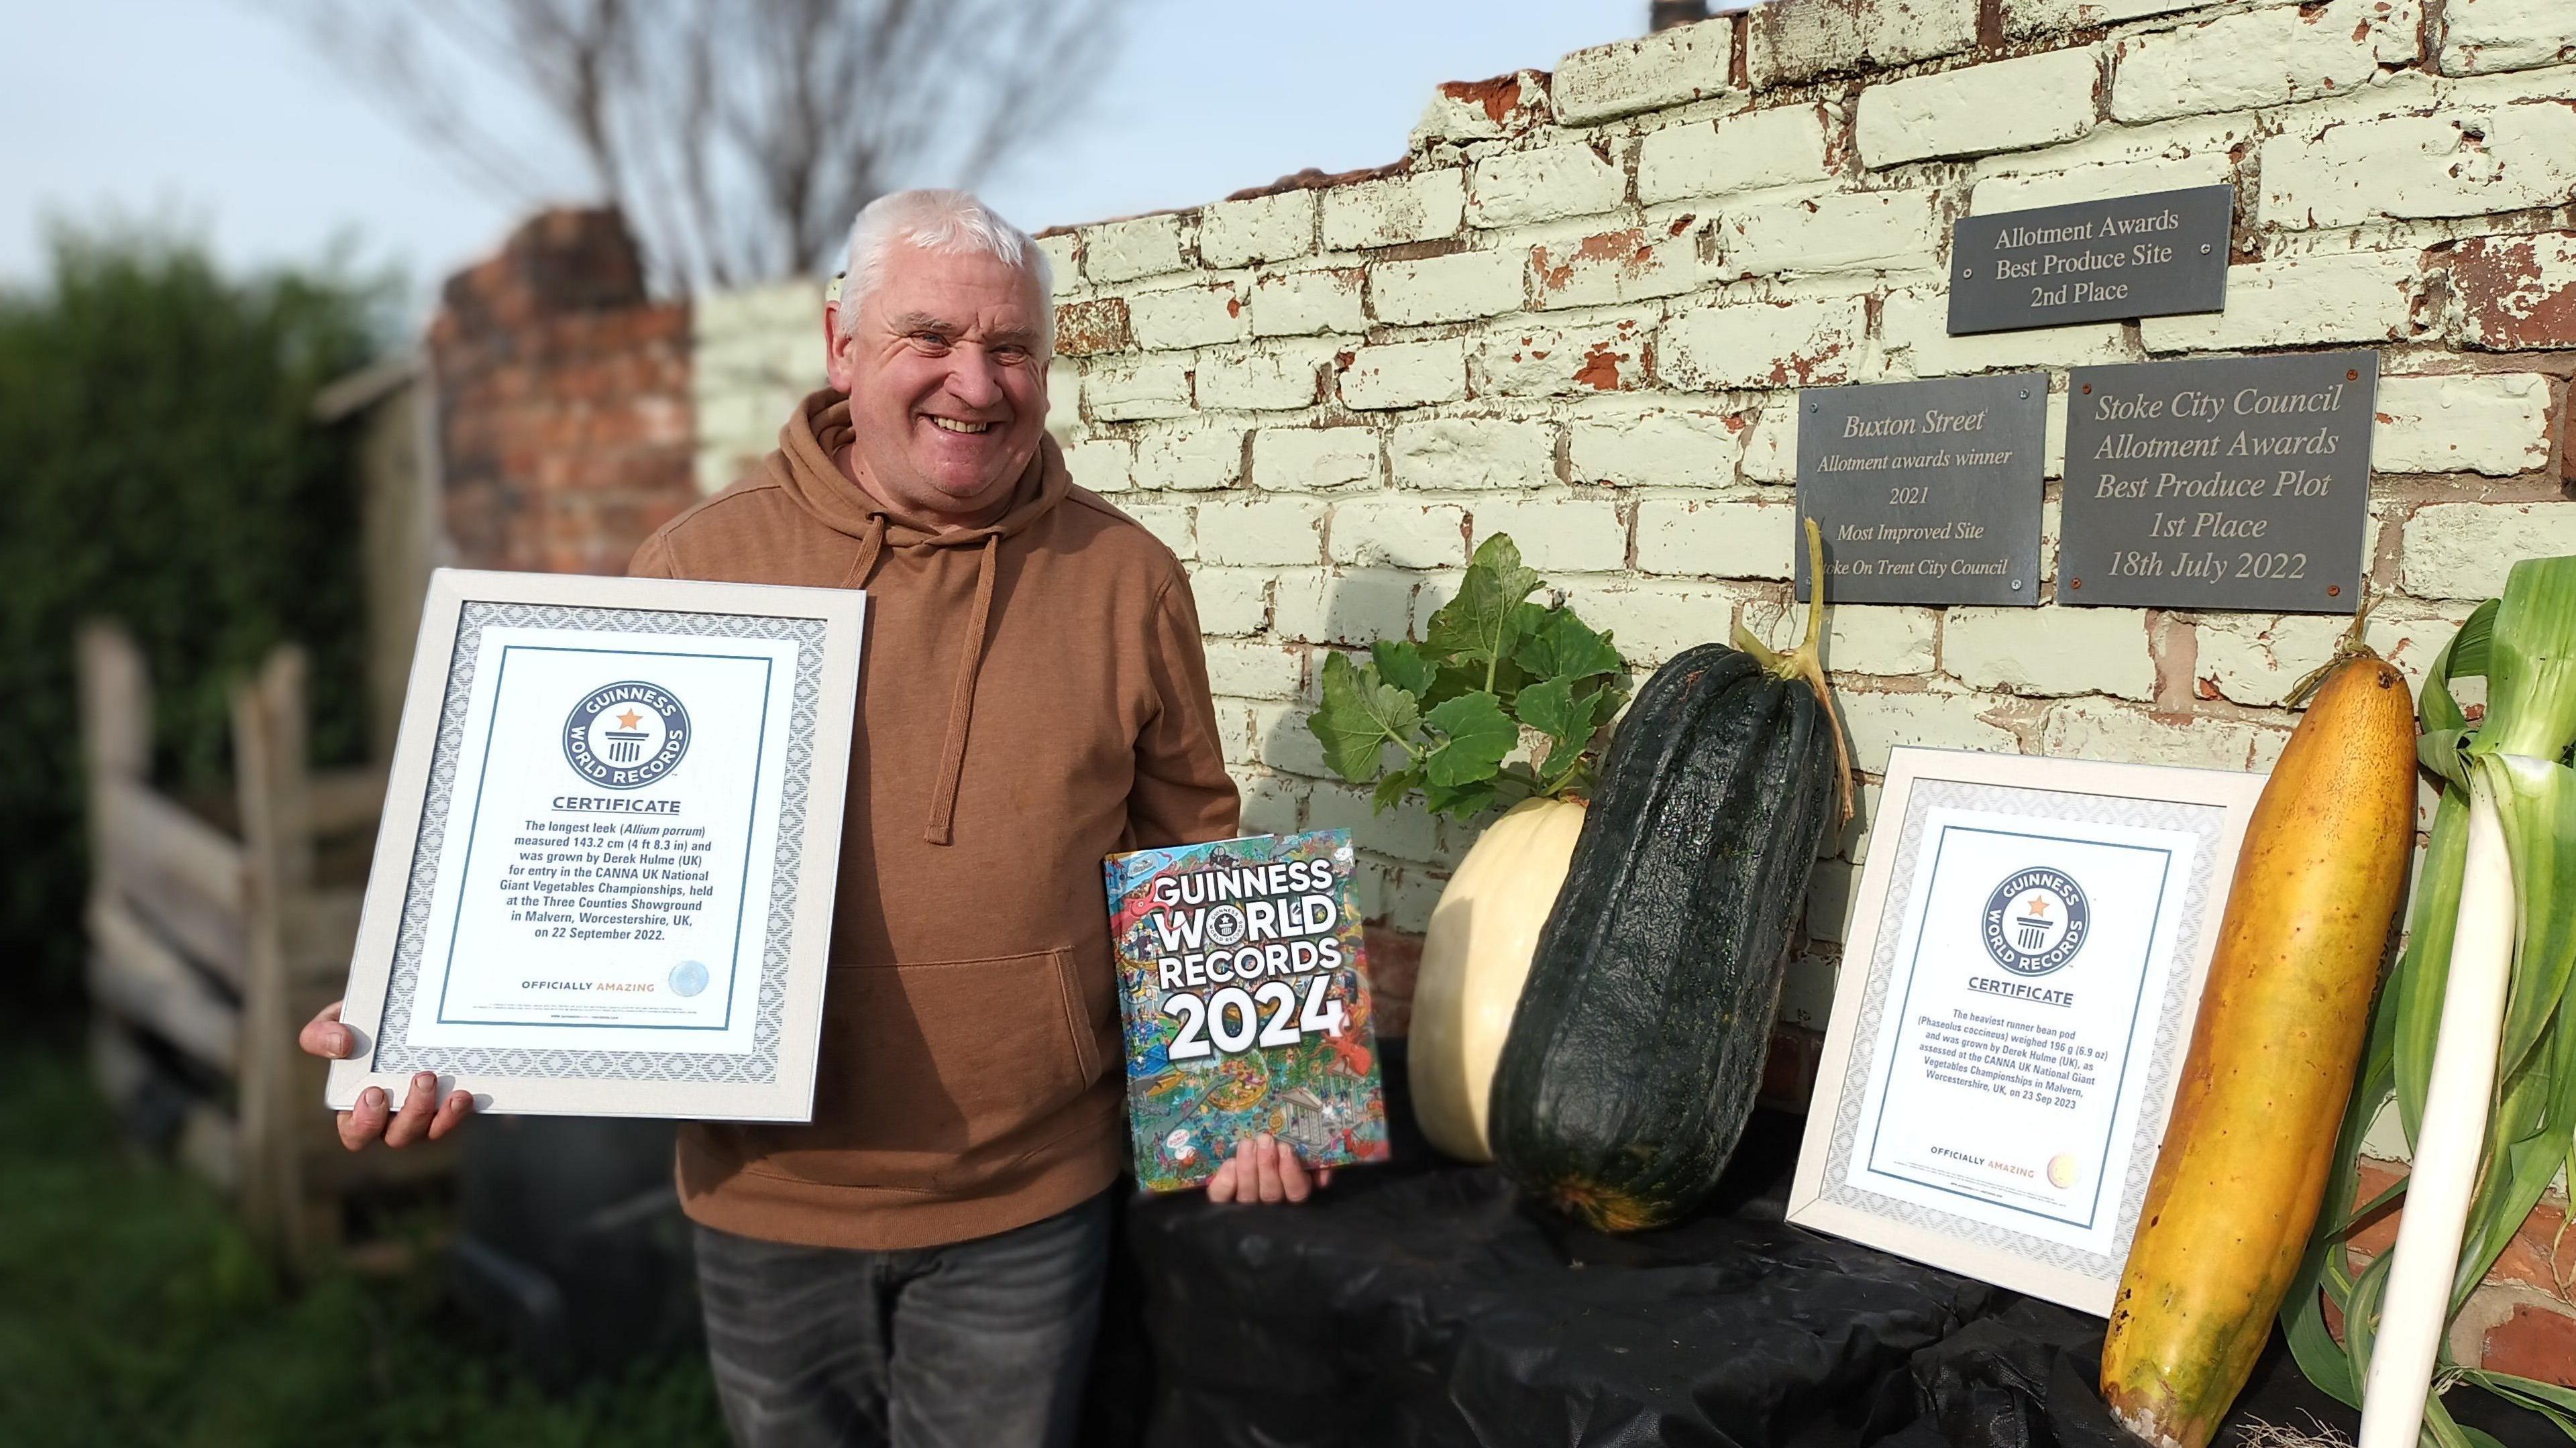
pixel 1422 1305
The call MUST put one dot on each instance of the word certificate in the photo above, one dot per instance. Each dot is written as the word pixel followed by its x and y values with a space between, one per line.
pixel 619 802
pixel 2003 1058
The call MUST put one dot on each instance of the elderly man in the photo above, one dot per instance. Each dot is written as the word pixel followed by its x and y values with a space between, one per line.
pixel 923 1263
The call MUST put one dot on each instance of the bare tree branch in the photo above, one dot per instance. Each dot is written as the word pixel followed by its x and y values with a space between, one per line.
pixel 738 136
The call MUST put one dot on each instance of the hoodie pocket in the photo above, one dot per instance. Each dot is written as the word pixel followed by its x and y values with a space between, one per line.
pixel 933 1074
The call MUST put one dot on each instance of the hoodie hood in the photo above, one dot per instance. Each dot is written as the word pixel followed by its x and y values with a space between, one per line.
pixel 819 428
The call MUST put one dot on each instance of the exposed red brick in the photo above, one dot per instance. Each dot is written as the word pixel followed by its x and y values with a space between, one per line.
pixel 2536 1342
pixel 2525 1261
pixel 1789 1072
pixel 2513 302
pixel 1498 96
pixel 1394 961
pixel 1098 325
pixel 1600 367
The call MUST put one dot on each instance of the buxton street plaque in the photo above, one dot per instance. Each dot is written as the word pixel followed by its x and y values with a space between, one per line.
pixel 1927 492
pixel 2130 256
pixel 2241 483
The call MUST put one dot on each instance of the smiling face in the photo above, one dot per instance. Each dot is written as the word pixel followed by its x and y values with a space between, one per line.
pixel 947 382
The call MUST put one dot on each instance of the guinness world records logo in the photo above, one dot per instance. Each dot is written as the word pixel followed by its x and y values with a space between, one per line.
pixel 2036 921
pixel 626 735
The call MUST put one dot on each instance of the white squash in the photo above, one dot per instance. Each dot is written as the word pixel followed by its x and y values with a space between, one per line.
pixel 1474 958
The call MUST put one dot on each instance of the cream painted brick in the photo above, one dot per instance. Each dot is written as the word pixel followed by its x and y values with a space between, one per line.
pixel 1465 112
pixel 1407 832
pixel 1771 445
pixel 1765 344
pixel 1415 206
pixel 1261 228
pixel 1915 325
pixel 1791 42
pixel 1191 457
pixel 1631 265
pixel 1838 231
pixel 2464 550
pixel 1274 378
pixel 1064 261
pixel 1279 732
pixel 1356 607
pixel 1831 895
pixel 1268 531
pixel 1124 393
pixel 2005 191
pixel 1231 600
pixel 2510 293
pixel 1880 722
pixel 2257 659
pixel 1750 150
pixel 2479 36
pixel 1677 66
pixel 1251 669
pixel 1102 464
pixel 2026 18
pixel 1567 362
pixel 2099 729
pixel 2238 62
pixel 1807 989
pixel 1655 450
pixel 1174 525
pixel 1399 533
pixel 2492 423
pixel 1708 538
pixel 2004 105
pixel 1558 535
pixel 1187 317
pixel 2459 162
pixel 1272 803
pixel 2362 296
pixel 1519 187
pixel 1456 288
pixel 1118 251
pixel 1304 303
pixel 1652 619
pixel 1405 374
pixel 1473 452
pixel 2050 650
pixel 1880 639
pixel 1315 459
pixel 2053 440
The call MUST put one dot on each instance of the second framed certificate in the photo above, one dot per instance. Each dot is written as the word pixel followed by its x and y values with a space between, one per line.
pixel 2026 962
pixel 604 880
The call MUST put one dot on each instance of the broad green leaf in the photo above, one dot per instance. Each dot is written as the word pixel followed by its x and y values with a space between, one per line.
pixel 1560 645
pixel 1459 801
pixel 1359 717
pixel 2414 992
pixel 1400 662
pixel 1391 790
pixel 1551 709
pixel 1476 629
pixel 1476 734
pixel 2531 663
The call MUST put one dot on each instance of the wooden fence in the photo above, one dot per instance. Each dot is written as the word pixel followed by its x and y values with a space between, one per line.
pixel 216 933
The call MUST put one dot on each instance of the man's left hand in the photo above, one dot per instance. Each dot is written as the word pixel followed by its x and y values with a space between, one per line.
pixel 1265 1169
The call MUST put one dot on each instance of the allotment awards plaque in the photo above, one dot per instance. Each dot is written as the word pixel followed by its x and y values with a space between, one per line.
pixel 2239 483
pixel 1927 492
pixel 2013 1010
pixel 604 879
pixel 2153 255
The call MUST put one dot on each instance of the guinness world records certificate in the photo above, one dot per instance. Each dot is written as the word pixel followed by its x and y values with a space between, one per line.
pixel 603 881
pixel 2025 969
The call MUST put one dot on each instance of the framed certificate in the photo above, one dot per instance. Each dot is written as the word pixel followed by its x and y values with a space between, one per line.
pixel 603 883
pixel 2023 970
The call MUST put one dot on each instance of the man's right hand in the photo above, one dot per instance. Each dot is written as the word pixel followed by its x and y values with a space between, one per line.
pixel 422 1114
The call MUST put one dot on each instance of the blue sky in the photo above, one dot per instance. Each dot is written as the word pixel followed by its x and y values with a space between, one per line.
pixel 217 116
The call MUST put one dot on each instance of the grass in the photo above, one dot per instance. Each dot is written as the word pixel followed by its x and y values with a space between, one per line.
pixel 135 1312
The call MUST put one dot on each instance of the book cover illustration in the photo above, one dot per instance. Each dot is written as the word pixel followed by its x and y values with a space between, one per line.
pixel 1245 1003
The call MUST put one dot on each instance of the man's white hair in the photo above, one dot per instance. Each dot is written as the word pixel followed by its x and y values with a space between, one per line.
pixel 938 220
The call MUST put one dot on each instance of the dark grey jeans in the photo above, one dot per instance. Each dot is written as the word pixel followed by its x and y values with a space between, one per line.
pixel 979 1344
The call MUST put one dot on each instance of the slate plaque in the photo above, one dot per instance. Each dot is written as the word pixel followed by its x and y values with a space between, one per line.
pixel 1927 492
pixel 2239 483
pixel 2151 255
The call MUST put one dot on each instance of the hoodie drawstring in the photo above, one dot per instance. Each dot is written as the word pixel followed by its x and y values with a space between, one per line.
pixel 870 548
pixel 961 704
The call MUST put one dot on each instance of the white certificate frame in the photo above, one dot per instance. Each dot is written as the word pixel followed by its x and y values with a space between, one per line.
pixel 2211 806
pixel 773 1080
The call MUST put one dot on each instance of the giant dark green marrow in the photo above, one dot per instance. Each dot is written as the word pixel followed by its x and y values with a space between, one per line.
pixel 1639 1040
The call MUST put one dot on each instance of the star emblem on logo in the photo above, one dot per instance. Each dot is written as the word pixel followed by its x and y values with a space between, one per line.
pixel 2037 905
pixel 629 719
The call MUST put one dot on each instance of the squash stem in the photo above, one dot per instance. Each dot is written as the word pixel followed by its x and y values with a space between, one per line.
pixel 1807 661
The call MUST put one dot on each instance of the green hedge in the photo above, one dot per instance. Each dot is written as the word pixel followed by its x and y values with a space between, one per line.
pixel 159 465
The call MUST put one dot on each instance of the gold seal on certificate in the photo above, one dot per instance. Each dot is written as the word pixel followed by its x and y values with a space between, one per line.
pixel 603 884
pixel 2025 965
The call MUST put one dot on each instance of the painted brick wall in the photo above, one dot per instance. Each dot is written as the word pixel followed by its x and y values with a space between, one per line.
pixel 1578 309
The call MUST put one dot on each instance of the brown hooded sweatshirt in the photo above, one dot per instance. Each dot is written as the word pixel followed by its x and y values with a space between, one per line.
pixel 1032 696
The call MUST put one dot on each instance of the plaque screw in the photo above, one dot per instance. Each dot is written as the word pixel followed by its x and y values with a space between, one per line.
pixel 2088 389
pixel 1969 272
pixel 2204 248
pixel 2025 396
pixel 2075 583
pixel 2016 585
pixel 1811 407
pixel 2352 374
pixel 2334 590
